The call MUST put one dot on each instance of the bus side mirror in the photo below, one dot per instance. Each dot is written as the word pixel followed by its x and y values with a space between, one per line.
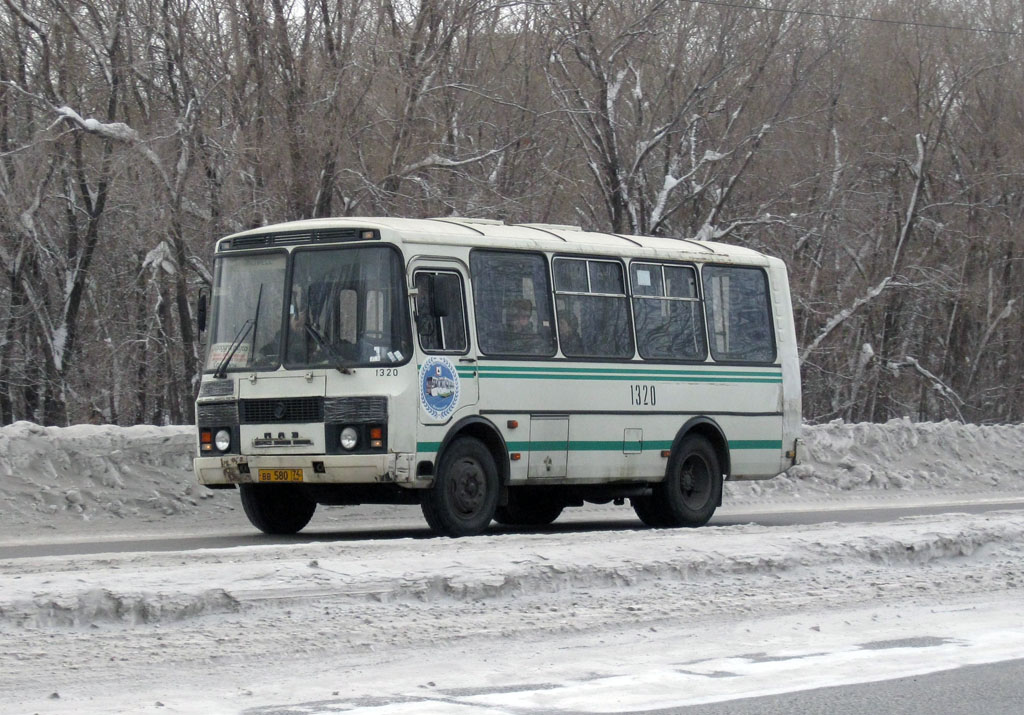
pixel 201 312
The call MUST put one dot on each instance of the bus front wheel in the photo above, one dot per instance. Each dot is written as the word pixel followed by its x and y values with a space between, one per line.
pixel 691 490
pixel 464 495
pixel 276 508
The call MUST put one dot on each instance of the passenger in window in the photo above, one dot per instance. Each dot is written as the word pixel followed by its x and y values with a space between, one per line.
pixel 520 335
pixel 518 318
pixel 569 333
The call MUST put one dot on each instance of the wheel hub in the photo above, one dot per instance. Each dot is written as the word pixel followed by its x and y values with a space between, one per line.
pixel 468 488
pixel 695 481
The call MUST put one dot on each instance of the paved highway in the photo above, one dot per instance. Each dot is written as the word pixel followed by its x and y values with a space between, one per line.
pixel 991 689
pixel 408 523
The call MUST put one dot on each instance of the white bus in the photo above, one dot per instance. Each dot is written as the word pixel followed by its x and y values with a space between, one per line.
pixel 491 372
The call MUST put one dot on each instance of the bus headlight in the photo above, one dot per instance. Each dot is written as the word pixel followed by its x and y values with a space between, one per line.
pixel 349 438
pixel 222 440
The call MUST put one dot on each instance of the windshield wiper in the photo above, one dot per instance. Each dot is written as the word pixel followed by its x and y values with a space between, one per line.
pixel 249 324
pixel 220 372
pixel 336 358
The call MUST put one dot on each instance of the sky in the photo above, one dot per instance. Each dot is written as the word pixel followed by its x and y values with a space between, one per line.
pixel 367 615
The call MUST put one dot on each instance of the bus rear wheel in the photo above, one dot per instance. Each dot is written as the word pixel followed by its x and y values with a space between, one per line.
pixel 277 508
pixel 691 490
pixel 464 495
pixel 649 512
pixel 528 507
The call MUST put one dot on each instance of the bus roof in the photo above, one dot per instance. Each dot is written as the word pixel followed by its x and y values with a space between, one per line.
pixel 487 233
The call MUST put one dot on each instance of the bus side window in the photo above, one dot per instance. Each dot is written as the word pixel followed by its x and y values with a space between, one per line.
pixel 667 310
pixel 738 314
pixel 590 296
pixel 440 312
pixel 512 301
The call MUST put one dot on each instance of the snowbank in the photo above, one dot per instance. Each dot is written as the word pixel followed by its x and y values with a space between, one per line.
pixel 902 455
pixel 108 473
pixel 94 472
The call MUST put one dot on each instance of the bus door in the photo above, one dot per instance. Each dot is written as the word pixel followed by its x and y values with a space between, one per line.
pixel 448 380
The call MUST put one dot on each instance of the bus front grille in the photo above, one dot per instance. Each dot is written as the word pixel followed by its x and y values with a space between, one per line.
pixel 222 414
pixel 217 388
pixel 356 410
pixel 290 409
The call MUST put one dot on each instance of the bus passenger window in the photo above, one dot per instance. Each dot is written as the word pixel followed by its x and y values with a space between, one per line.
pixel 440 312
pixel 739 320
pixel 593 313
pixel 512 302
pixel 667 311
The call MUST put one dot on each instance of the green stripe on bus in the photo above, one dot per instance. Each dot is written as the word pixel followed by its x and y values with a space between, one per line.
pixel 608 445
pixel 755 444
pixel 554 373
pixel 634 378
pixel 613 445
pixel 632 370
pixel 538 446
pixel 657 445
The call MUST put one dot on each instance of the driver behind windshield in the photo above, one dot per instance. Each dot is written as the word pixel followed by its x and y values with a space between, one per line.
pixel 298 339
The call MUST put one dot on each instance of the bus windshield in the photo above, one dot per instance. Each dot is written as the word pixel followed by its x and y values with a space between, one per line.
pixel 346 308
pixel 343 308
pixel 248 296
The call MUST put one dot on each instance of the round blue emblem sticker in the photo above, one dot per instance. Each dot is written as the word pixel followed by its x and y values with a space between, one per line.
pixel 439 387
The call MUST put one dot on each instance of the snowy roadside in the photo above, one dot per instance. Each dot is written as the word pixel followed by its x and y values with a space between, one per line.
pixel 145 588
pixel 102 479
pixel 512 623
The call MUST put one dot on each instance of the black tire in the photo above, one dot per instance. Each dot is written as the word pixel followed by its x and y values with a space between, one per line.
pixel 528 507
pixel 649 512
pixel 277 508
pixel 691 490
pixel 464 495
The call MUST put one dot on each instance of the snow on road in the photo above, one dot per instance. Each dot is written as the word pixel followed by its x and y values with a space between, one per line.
pixel 606 620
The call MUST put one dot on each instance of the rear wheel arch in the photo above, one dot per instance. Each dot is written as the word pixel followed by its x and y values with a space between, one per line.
pixel 712 432
pixel 692 487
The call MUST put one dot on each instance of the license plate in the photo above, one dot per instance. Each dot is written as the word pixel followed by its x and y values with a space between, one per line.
pixel 280 475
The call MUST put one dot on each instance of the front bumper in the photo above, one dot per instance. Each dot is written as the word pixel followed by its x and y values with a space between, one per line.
pixel 316 469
